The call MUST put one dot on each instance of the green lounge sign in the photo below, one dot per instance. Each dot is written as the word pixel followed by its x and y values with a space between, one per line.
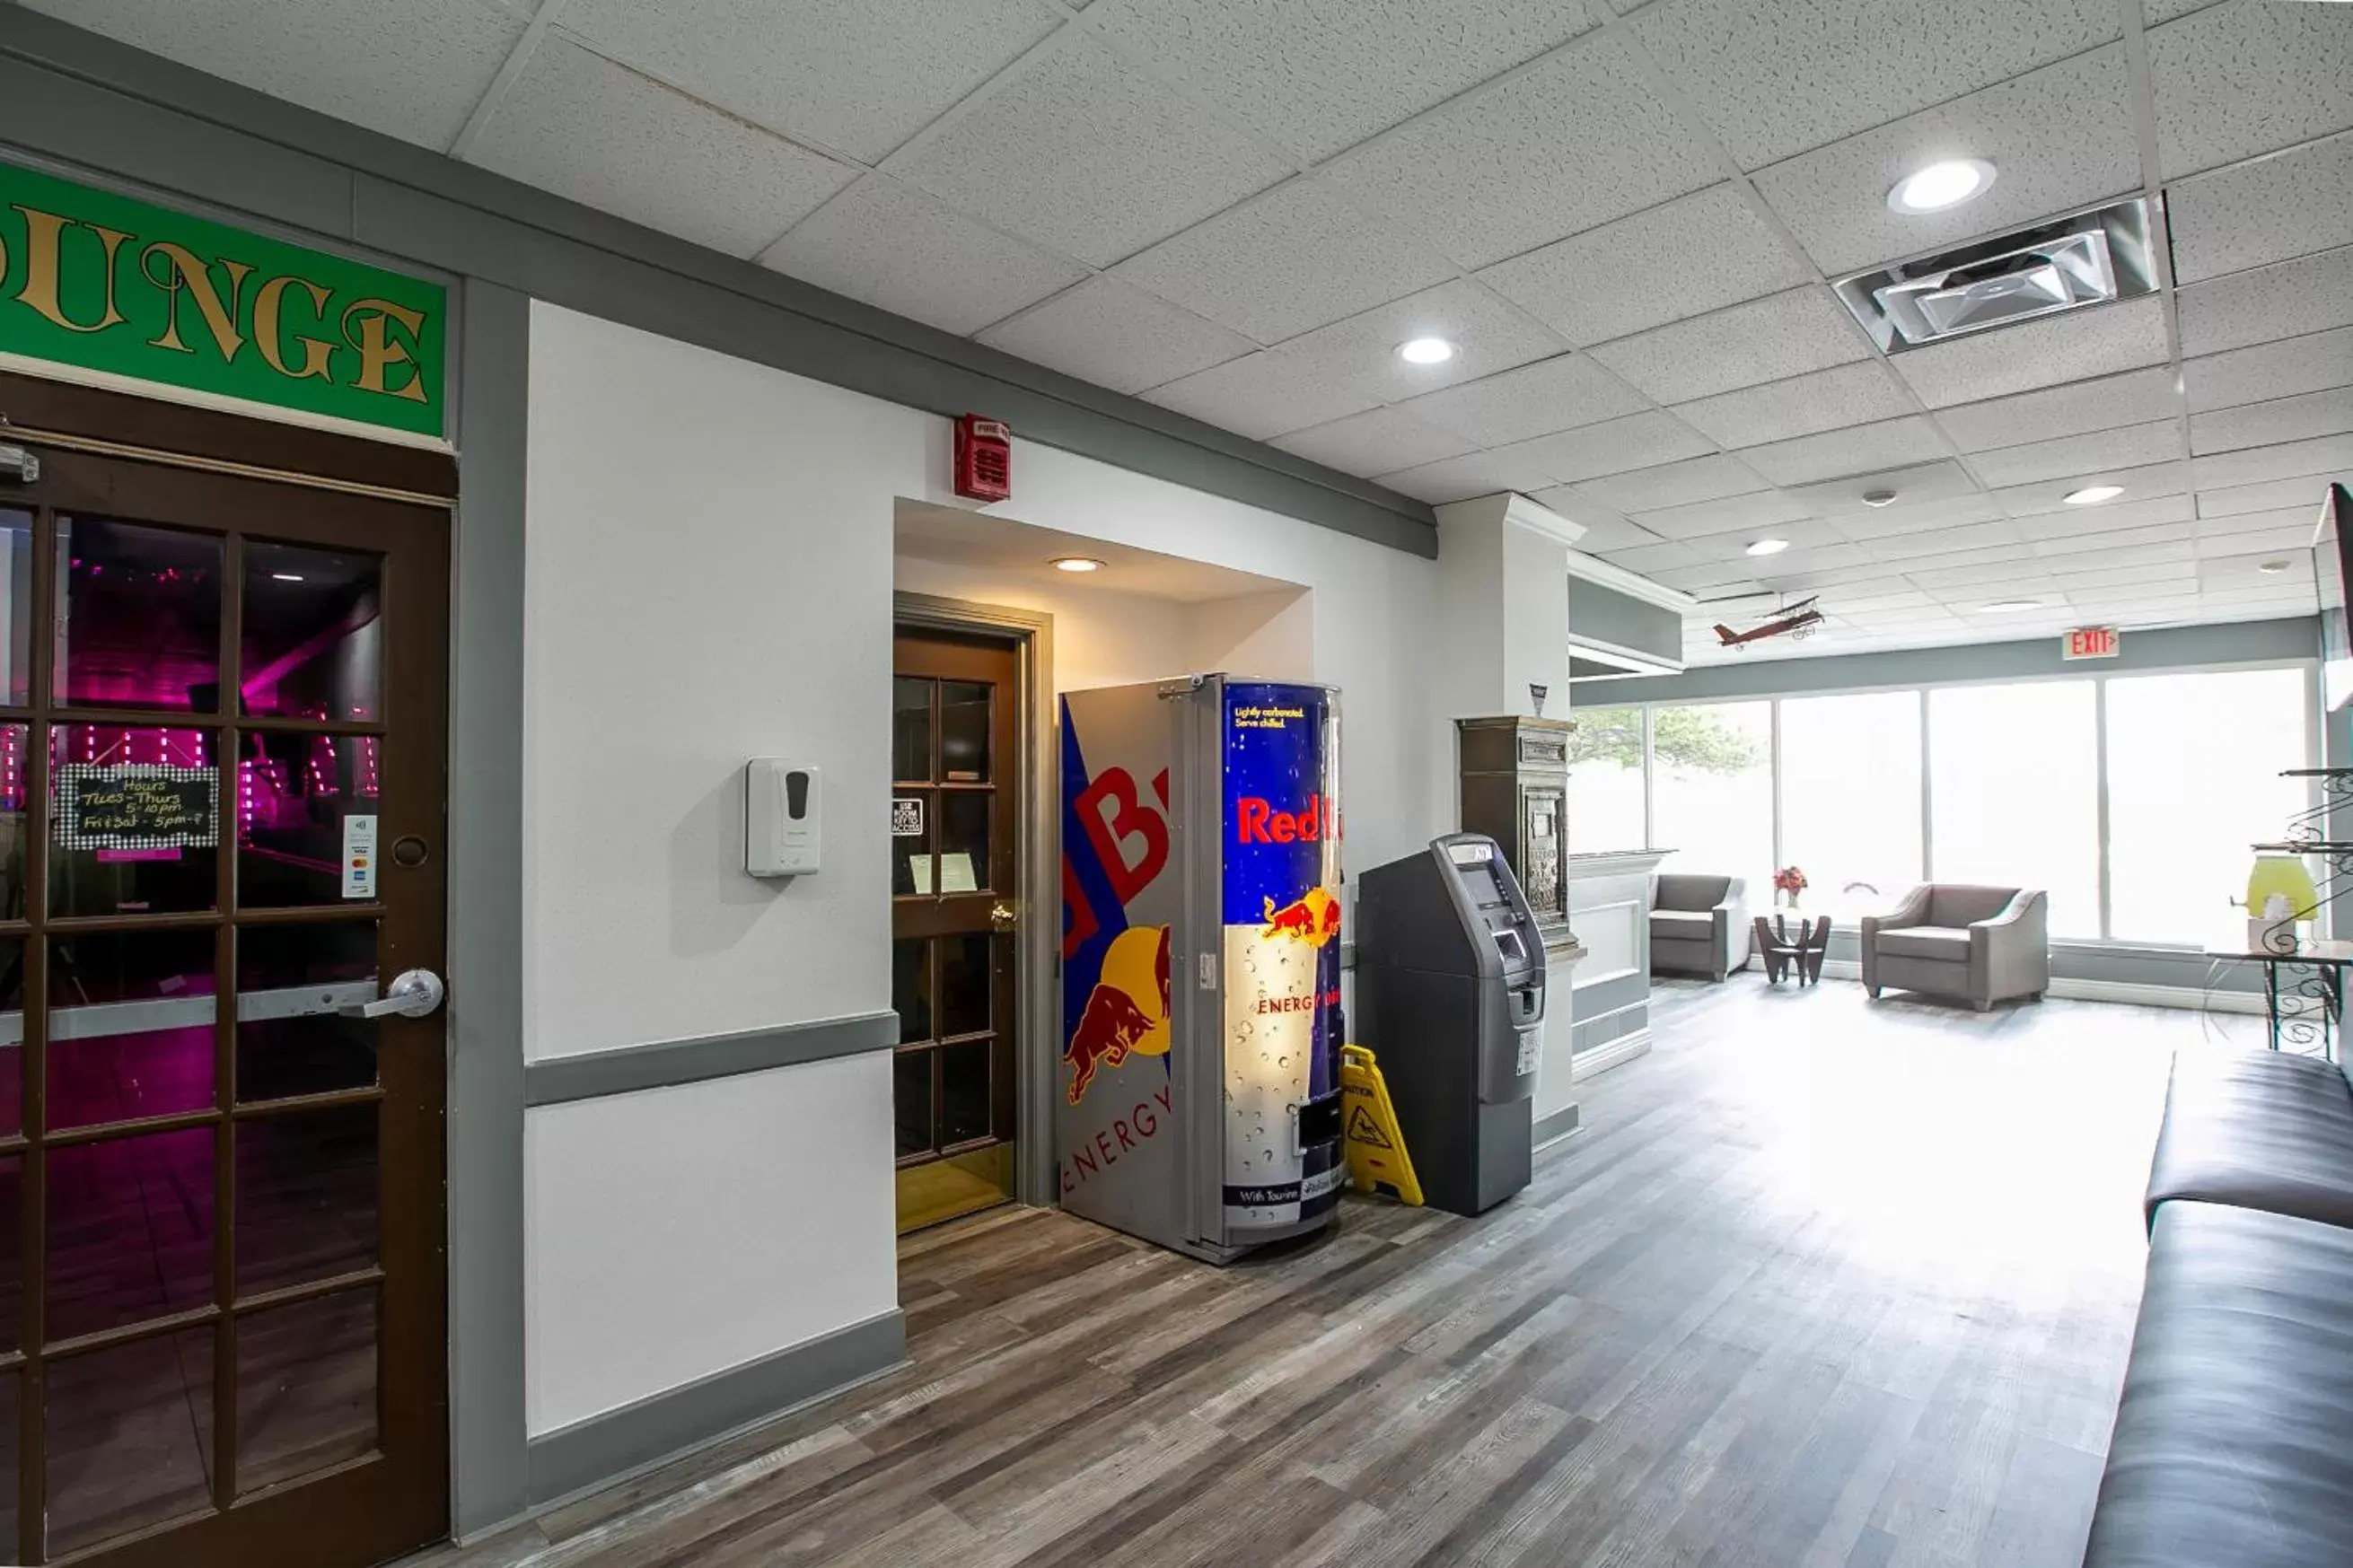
pixel 102 283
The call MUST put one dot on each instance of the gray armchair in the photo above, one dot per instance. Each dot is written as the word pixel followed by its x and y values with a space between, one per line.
pixel 1983 944
pixel 1699 925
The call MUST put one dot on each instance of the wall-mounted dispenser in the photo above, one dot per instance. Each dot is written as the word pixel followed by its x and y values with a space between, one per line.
pixel 783 818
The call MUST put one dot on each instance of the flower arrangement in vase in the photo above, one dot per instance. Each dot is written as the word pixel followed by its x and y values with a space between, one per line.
pixel 1788 881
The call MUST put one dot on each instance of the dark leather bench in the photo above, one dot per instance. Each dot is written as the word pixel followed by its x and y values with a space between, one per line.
pixel 2233 1446
pixel 2259 1129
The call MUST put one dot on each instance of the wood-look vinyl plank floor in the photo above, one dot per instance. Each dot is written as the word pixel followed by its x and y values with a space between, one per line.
pixel 1823 1284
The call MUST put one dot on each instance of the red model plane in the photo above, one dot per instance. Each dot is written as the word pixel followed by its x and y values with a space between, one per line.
pixel 1792 620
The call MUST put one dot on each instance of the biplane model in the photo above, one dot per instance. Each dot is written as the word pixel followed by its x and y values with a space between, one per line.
pixel 1798 620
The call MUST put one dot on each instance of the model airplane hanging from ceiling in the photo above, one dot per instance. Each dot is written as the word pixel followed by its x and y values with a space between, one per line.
pixel 1798 620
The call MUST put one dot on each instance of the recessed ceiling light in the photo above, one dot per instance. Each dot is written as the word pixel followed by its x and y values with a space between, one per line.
pixel 2008 606
pixel 1941 185
pixel 2092 495
pixel 1879 497
pixel 286 576
pixel 1426 351
pixel 2272 568
pixel 1076 563
pixel 1768 547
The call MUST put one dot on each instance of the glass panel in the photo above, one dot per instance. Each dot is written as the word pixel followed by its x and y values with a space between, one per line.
pixel 964 732
pixel 10 1391
pixel 12 1046
pixel 911 989
pixel 16 755
pixel 306 1196
pixel 912 822
pixel 313 634
pixel 963 1091
pixel 1712 791
pixel 1604 780
pixel 294 794
pixel 1850 801
pixel 292 985
pixel 141 622
pixel 2014 795
pixel 963 841
pixel 963 985
pixel 305 1387
pixel 130 1230
pixel 911 1100
pixel 11 1267
pixel 136 822
pixel 130 1434
pixel 130 1025
pixel 15 636
pixel 910 728
pixel 2194 764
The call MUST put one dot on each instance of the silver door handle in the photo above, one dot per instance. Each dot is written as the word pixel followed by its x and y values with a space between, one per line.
pixel 412 994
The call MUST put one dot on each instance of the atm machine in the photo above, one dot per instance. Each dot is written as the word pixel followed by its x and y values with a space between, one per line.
pixel 1450 998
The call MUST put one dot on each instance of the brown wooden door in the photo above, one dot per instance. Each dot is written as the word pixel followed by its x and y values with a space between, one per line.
pixel 222 776
pixel 956 816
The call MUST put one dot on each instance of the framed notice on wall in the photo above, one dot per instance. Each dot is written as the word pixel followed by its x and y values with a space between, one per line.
pixel 137 806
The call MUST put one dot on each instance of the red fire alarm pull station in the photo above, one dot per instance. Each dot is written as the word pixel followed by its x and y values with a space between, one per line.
pixel 983 458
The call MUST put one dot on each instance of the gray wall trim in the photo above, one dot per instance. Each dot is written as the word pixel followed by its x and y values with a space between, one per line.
pixel 1605 614
pixel 2169 648
pixel 93 102
pixel 485 957
pixel 1606 996
pixel 1590 1035
pixel 594 1453
pixel 555 1080
pixel 1559 1125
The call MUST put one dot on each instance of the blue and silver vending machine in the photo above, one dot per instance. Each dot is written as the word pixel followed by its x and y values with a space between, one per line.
pixel 1198 1087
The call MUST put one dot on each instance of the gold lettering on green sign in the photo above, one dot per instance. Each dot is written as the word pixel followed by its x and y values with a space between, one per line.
pixel 43 247
pixel 266 332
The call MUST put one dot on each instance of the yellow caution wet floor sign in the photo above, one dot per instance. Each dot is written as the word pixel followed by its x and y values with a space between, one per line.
pixel 1377 1161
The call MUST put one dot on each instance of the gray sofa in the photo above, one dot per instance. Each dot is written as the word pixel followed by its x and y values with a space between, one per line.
pixel 1983 945
pixel 1699 925
pixel 2230 1443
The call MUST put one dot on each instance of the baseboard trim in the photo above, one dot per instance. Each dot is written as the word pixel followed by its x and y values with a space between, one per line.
pixel 603 1449
pixel 1609 1054
pixel 1550 1130
pixel 2192 998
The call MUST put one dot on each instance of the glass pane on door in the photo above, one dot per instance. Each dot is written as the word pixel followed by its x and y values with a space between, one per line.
pixel 313 643
pixel 130 1025
pixel 16 612
pixel 130 1436
pixel 139 625
pixel 306 1388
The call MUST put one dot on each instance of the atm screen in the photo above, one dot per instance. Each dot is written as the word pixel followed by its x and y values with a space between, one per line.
pixel 1470 854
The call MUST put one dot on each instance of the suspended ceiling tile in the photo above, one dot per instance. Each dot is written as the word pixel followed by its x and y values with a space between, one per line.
pixel 2325 457
pixel 2297 519
pixel 1115 336
pixel 2265 371
pixel 2238 80
pixel 1646 559
pixel 1269 393
pixel 2059 138
pixel 2285 300
pixel 2292 539
pixel 2240 575
pixel 1680 258
pixel 895 247
pixel 1951 505
pixel 1605 531
pixel 2076 408
pixel 1482 176
pixel 2063 544
pixel 2097 341
pixel 1488 335
pixel 2154 479
pixel 1802 533
pixel 1939 481
pixel 1845 394
pixel 1772 339
pixel 1557 394
pixel 1637 441
pixel 2294 418
pixel 1775 79
pixel 1472 474
pixel 413 70
pixel 1080 152
pixel 1723 515
pixel 2068 456
pixel 2272 209
pixel 2303 493
pixel 1322 75
pixel 2113 517
pixel 1862 448
pixel 578 125
pixel 856 76
pixel 1377 441
pixel 1671 484
pixel 1286 261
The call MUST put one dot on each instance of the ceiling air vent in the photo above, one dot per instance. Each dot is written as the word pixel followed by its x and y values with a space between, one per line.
pixel 2065 264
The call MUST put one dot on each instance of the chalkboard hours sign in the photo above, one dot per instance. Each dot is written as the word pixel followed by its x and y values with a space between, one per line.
pixel 137 806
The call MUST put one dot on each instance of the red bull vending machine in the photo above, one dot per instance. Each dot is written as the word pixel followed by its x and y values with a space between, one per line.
pixel 1199 1101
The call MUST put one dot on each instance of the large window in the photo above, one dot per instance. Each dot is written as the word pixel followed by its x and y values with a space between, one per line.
pixel 2014 778
pixel 1605 810
pixel 2194 766
pixel 1712 790
pixel 1851 798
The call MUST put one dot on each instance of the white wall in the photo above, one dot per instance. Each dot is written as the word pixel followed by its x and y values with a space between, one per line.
pixel 710 569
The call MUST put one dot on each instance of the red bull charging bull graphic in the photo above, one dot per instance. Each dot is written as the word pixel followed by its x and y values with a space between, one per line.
pixel 1197 1088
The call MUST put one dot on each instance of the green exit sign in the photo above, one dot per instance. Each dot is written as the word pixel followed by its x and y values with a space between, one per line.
pixel 102 283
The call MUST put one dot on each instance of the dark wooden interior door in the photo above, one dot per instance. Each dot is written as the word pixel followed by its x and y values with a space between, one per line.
pixel 955 853
pixel 222 793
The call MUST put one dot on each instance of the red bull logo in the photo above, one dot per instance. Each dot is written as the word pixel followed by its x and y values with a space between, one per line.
pixel 1314 918
pixel 1126 1013
pixel 1256 821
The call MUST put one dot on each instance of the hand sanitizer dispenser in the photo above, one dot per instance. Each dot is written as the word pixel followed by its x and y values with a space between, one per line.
pixel 784 818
